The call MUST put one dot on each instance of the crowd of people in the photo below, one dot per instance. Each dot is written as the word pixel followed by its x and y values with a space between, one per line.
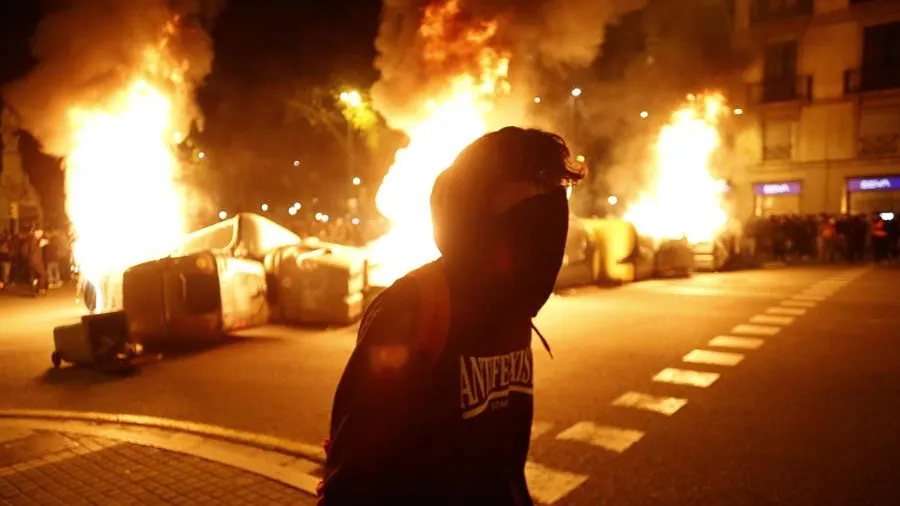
pixel 35 258
pixel 823 238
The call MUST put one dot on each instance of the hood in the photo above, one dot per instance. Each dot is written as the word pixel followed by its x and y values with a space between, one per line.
pixel 505 261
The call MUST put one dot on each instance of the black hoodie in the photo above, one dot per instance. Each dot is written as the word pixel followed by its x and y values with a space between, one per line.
pixel 452 431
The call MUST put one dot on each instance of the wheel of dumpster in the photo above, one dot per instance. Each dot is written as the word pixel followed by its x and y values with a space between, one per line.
pixel 56 359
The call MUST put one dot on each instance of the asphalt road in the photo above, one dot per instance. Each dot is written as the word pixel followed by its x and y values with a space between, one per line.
pixel 800 410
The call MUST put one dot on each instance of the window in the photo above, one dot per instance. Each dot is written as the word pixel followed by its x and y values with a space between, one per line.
pixel 780 72
pixel 778 139
pixel 881 57
pixel 879 132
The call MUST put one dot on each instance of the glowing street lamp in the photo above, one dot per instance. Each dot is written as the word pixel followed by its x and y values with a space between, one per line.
pixel 296 163
pixel 356 181
pixel 222 215
pixel 580 158
pixel 264 207
pixel 355 221
pixel 298 205
pixel 576 92
pixel 537 100
pixel 644 114
pixel 201 155
pixel 612 200
pixel 351 98
pixel 738 111
pixel 292 211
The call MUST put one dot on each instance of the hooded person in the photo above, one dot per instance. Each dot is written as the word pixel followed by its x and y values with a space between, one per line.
pixel 435 405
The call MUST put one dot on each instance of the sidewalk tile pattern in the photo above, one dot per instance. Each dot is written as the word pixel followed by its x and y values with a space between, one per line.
pixel 98 471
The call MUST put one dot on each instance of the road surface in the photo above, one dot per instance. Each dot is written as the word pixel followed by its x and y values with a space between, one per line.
pixel 771 387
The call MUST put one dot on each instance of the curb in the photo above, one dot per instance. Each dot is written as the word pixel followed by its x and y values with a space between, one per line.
pixel 288 462
pixel 262 441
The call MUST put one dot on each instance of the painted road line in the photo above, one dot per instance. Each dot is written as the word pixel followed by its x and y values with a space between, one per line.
pixel 802 296
pixel 538 429
pixel 791 311
pixel 756 330
pixel 713 357
pixel 744 343
pixel 613 439
pixel 549 485
pixel 799 303
pixel 686 377
pixel 665 405
pixel 767 319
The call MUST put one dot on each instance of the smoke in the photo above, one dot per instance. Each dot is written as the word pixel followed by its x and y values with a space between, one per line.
pixel 89 50
pixel 534 33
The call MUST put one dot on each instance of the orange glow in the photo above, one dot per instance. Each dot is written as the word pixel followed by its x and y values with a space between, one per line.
pixel 685 199
pixel 121 191
pixel 456 116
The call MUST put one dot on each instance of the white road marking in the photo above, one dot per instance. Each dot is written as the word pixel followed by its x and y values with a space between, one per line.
pixel 746 343
pixel 538 429
pixel 613 439
pixel 756 330
pixel 549 485
pixel 792 311
pixel 713 357
pixel 767 319
pixel 686 377
pixel 799 303
pixel 802 296
pixel 665 405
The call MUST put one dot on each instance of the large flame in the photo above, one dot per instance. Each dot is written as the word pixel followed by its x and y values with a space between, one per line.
pixel 685 200
pixel 121 191
pixel 456 116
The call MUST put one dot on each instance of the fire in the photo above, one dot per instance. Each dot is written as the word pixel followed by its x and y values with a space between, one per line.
pixel 685 200
pixel 456 116
pixel 121 192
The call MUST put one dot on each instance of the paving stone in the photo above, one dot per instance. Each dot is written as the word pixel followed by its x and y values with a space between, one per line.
pixel 95 471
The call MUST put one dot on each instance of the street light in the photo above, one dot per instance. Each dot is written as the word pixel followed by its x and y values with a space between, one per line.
pixel 613 200
pixel 738 111
pixel 297 205
pixel 576 92
pixel 355 221
pixel 264 207
pixel 222 215
pixel 201 155
pixel 296 163
pixel 352 98
pixel 580 158
pixel 356 181
pixel 292 211
pixel 537 100
pixel 644 114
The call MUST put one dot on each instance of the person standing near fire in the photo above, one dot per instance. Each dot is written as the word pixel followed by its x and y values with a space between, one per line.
pixel 413 420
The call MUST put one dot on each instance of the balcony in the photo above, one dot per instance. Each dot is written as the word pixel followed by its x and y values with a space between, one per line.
pixel 784 90
pixel 871 78
pixel 762 11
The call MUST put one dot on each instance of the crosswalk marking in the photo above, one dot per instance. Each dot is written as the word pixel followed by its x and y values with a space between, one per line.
pixel 746 343
pixel 792 311
pixel 686 377
pixel 799 303
pixel 766 319
pixel 713 357
pixel 805 296
pixel 613 439
pixel 665 405
pixel 538 429
pixel 550 485
pixel 755 330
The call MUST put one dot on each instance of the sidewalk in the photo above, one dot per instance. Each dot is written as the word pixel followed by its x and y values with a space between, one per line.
pixel 77 463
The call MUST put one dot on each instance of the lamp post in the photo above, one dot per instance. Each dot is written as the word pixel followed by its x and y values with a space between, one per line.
pixel 575 93
pixel 351 99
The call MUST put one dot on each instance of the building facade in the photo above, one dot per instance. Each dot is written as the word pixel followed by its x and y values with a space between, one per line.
pixel 820 129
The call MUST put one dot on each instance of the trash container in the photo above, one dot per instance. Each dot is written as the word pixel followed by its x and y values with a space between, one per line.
pixel 100 341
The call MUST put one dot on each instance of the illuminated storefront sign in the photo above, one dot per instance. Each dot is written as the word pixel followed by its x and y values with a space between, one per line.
pixel 782 188
pixel 863 184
